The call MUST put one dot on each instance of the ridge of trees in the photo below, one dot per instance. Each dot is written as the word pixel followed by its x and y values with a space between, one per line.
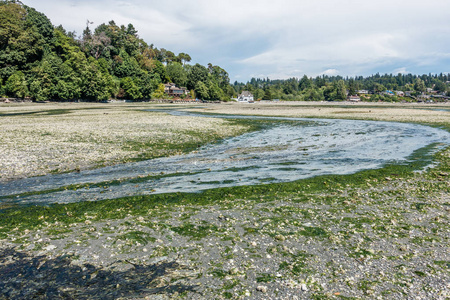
pixel 46 62
pixel 43 62
pixel 336 88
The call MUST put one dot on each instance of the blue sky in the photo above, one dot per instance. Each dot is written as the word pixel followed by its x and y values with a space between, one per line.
pixel 283 38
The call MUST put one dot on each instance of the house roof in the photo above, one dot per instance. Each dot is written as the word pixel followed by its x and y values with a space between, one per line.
pixel 246 94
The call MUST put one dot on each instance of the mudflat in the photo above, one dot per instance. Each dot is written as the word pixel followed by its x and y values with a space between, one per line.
pixel 376 234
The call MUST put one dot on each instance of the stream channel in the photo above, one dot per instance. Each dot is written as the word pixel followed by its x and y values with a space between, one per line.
pixel 282 152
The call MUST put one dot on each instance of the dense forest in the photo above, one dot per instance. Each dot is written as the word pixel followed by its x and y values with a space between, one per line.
pixel 41 61
pixel 336 88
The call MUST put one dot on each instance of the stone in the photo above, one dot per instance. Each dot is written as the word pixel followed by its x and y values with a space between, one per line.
pixel 261 288
pixel 50 247
pixel 280 238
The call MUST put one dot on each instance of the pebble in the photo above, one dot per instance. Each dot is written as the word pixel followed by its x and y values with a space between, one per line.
pixel 50 247
pixel 280 238
pixel 261 288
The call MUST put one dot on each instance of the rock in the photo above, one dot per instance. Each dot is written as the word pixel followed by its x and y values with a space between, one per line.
pixel 304 287
pixel 280 238
pixel 50 247
pixel 261 288
pixel 233 271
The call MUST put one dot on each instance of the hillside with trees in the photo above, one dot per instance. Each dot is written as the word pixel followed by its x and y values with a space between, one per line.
pixel 337 88
pixel 44 62
pixel 41 62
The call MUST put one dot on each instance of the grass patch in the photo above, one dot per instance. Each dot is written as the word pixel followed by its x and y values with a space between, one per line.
pixel 195 231
pixel 140 237
pixel 265 277
pixel 313 232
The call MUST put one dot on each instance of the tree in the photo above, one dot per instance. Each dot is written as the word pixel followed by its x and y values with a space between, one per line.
pixel 160 70
pixel 40 22
pixel 419 85
pixel 304 83
pixel 95 84
pixel 439 86
pixel 214 91
pixel 177 74
pixel 12 18
pixel 159 92
pixel 130 89
pixel 201 90
pixel 313 94
pixel 267 94
pixel 219 76
pixel 21 43
pixel 16 85
pixel 352 87
pixel 183 58
pixel 148 84
pixel 197 73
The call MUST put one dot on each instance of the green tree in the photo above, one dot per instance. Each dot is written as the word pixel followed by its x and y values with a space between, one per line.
pixel 177 74
pixel 159 92
pixel 201 90
pixel 314 94
pixel 214 91
pixel 126 66
pixel 183 58
pixel 148 84
pixel 419 85
pixel 20 41
pixel 219 76
pixel 304 83
pixel 340 90
pixel 160 70
pixel 130 89
pixel 439 86
pixel 267 94
pixel 197 73
pixel 95 84
pixel 41 23
pixel 16 85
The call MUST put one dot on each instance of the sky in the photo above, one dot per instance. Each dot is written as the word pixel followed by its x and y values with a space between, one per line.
pixel 283 38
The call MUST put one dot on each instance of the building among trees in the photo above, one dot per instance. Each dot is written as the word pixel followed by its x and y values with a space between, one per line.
pixel 245 96
pixel 173 91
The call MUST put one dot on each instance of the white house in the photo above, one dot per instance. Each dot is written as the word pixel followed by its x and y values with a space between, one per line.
pixel 246 96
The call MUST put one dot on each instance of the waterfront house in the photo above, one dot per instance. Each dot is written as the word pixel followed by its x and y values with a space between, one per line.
pixel 354 98
pixel 246 96
pixel 173 91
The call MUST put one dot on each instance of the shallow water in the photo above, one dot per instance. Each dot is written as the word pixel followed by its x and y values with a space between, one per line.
pixel 280 153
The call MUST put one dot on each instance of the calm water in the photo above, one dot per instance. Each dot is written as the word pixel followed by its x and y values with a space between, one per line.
pixel 278 154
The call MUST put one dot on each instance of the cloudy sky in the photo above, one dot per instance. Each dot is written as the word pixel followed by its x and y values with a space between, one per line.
pixel 282 38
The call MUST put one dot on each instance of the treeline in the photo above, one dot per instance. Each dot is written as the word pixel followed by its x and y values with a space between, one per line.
pixel 43 62
pixel 336 88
